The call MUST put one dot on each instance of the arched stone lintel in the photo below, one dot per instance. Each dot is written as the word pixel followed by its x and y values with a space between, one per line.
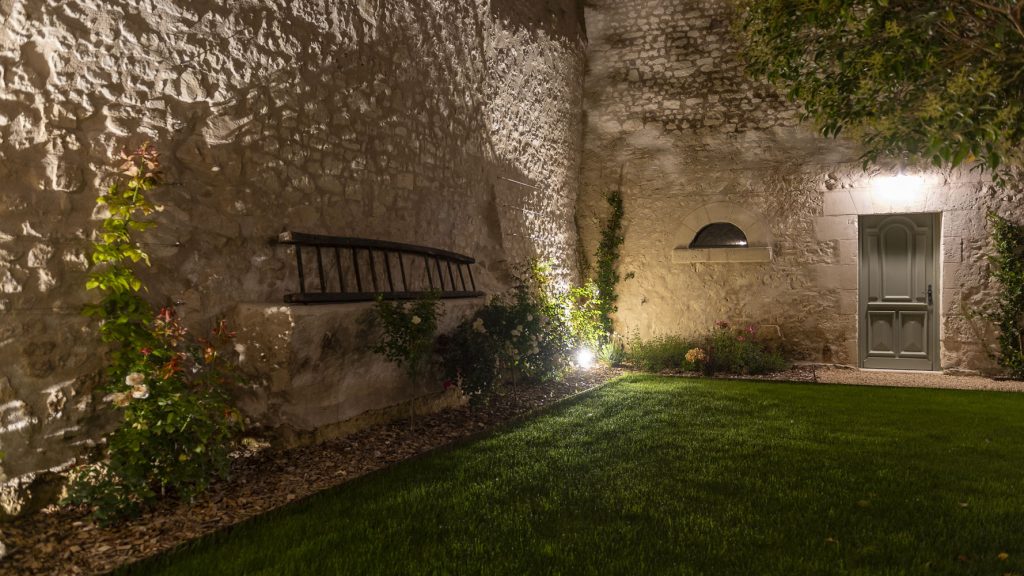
pixel 752 224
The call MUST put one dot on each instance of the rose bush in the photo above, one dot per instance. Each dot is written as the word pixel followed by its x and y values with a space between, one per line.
pixel 176 426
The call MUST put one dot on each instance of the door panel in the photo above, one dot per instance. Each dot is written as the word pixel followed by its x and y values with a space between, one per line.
pixel 898 266
pixel 882 329
pixel 914 334
pixel 896 271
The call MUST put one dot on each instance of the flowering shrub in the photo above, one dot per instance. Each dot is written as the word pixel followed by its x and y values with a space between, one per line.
pixel 735 351
pixel 176 428
pixel 696 356
pixel 514 338
pixel 409 332
pixel 723 349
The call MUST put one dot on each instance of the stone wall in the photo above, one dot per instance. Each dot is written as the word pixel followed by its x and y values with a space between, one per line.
pixel 447 123
pixel 673 120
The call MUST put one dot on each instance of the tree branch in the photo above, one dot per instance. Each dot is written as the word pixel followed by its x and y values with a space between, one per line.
pixel 1011 14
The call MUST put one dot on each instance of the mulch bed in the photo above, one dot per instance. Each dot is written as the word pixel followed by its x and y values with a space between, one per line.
pixel 808 373
pixel 66 541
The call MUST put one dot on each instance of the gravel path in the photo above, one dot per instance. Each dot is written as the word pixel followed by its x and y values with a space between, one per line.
pixel 907 379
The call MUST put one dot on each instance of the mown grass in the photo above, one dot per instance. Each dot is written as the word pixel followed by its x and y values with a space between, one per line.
pixel 657 475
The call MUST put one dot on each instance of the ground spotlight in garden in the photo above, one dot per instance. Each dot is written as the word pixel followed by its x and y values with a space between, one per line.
pixel 585 358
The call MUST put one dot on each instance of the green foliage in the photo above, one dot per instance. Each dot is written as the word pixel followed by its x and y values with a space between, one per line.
pixel 612 353
pixel 123 314
pixel 663 352
pixel 1008 270
pixel 177 425
pixel 526 336
pixel 410 330
pixel 734 351
pixel 934 80
pixel 722 350
pixel 580 307
pixel 514 339
pixel 607 276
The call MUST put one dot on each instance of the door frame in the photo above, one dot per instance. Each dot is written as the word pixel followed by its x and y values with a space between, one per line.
pixel 862 289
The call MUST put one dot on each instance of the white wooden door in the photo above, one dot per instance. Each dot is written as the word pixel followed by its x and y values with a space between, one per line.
pixel 898 288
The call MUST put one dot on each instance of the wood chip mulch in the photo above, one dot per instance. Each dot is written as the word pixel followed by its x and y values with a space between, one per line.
pixel 67 542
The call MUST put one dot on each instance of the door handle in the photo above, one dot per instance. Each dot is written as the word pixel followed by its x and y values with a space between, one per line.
pixel 930 300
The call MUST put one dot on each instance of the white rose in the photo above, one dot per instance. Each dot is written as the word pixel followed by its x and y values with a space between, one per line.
pixel 478 326
pixel 119 399
pixel 134 379
pixel 140 391
pixel 416 320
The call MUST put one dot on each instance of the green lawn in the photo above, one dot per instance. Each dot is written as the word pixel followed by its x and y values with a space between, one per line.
pixel 653 475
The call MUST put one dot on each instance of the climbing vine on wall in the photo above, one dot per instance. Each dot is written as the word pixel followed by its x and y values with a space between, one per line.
pixel 1008 269
pixel 606 274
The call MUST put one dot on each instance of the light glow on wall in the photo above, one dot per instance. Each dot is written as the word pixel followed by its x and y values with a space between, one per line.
pixel 899 189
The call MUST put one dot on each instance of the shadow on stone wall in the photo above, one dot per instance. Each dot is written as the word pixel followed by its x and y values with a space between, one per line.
pixel 560 19
pixel 353 118
pixel 386 137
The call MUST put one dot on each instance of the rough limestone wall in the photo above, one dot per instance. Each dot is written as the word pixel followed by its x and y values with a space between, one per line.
pixel 671 112
pixel 402 120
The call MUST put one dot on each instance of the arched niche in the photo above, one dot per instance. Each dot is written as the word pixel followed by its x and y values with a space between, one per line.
pixel 709 218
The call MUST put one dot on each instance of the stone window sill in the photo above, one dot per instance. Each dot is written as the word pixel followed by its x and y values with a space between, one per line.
pixel 719 255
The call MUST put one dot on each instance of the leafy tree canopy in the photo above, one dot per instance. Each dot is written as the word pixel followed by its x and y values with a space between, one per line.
pixel 941 80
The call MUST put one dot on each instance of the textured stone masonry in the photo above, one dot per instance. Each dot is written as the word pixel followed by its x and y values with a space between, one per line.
pixel 486 127
pixel 403 120
pixel 669 107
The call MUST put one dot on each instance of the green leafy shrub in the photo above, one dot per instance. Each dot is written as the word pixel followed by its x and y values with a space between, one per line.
pixel 580 307
pixel 1008 315
pixel 734 351
pixel 722 350
pixel 513 339
pixel 528 335
pixel 177 426
pixel 612 353
pixel 664 352
pixel 124 316
pixel 409 332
